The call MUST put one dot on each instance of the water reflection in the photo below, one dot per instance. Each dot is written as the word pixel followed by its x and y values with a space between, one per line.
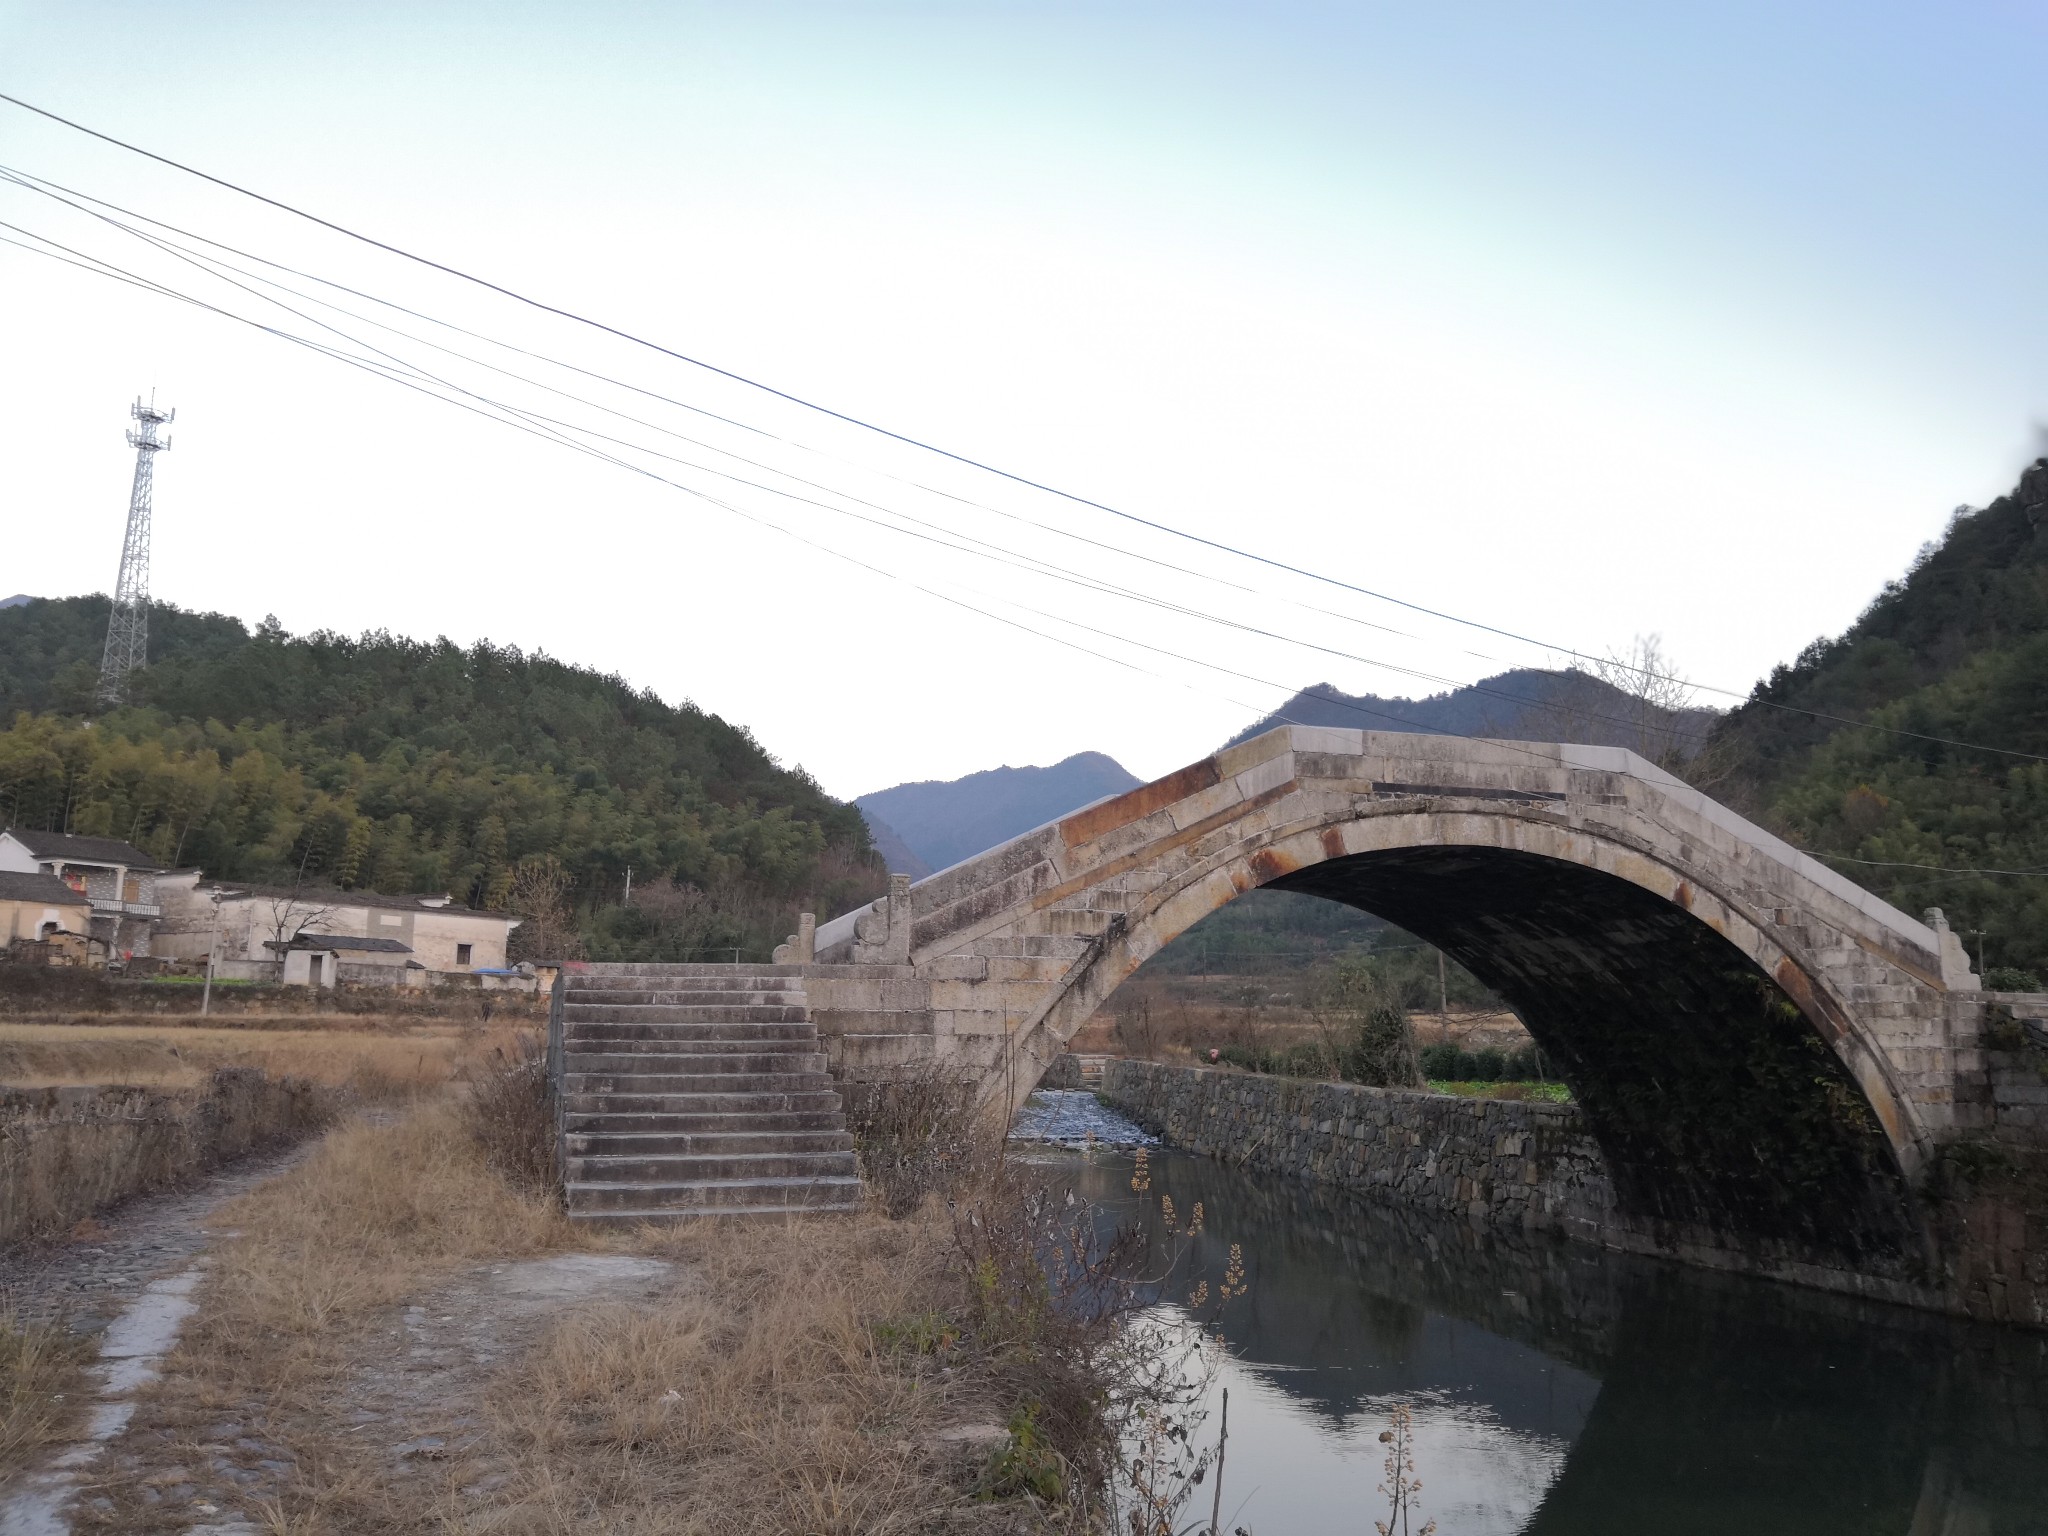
pixel 1560 1389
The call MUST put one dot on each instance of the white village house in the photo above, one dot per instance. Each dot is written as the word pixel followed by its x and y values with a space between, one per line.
pixel 319 937
pixel 117 880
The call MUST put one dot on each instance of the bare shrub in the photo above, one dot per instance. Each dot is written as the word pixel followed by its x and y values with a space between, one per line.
pixel 1048 1304
pixel 540 895
pixel 1137 1034
pixel 919 1132
pixel 1361 1030
pixel 511 1117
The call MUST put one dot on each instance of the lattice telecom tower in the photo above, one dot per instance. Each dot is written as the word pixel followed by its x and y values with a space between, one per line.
pixel 128 624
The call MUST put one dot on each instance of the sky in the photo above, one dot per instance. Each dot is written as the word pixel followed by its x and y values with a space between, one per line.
pixel 1579 323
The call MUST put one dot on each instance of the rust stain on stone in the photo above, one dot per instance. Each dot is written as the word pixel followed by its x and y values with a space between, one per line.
pixel 1793 980
pixel 1333 842
pixel 1269 864
pixel 1683 895
pixel 1135 805
pixel 1152 850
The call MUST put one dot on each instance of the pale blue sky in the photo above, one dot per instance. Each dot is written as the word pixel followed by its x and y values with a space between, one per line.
pixel 1587 322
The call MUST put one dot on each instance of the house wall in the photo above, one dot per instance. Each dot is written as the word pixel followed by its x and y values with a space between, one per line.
pixel 25 919
pixel 432 933
pixel 437 932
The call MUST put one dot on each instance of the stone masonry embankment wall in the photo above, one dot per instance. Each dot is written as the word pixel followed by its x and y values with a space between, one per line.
pixel 1535 1167
pixel 1515 1164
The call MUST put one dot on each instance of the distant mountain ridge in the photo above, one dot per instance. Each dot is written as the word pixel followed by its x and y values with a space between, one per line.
pixel 19 600
pixel 945 821
pixel 1524 704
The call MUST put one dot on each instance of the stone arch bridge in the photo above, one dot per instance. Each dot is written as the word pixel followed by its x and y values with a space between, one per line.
pixel 1771 1057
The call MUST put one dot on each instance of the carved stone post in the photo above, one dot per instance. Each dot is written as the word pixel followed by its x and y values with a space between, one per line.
pixel 801 947
pixel 881 935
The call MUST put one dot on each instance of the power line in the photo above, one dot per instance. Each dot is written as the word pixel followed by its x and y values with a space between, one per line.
pixel 987 468
pixel 1000 554
pixel 810 405
pixel 1946 869
pixel 99 267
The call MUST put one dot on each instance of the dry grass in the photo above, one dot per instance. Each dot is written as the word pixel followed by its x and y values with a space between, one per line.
pixel 798 1387
pixel 370 1219
pixel 793 1382
pixel 370 1214
pixel 41 1369
pixel 394 1062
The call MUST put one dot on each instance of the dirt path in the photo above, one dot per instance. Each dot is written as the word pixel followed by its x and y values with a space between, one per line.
pixel 127 1276
pixel 93 1277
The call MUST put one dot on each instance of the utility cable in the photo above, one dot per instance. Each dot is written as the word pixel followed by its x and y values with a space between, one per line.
pixel 825 410
pixel 937 536
pixel 963 459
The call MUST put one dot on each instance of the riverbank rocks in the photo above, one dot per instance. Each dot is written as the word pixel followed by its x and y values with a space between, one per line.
pixel 1515 1164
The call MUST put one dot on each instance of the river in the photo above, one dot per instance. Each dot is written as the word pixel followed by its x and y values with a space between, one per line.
pixel 1558 1388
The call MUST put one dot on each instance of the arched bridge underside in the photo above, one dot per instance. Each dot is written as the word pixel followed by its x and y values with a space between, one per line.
pixel 1768 1054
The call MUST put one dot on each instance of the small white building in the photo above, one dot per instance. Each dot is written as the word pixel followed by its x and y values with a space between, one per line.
pixel 117 879
pixel 264 930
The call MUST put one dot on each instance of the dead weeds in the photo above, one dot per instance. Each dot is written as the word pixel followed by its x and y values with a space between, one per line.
pixel 798 1376
pixel 42 1367
pixel 401 1061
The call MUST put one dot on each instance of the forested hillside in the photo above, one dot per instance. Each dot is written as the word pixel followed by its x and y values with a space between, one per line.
pixel 394 765
pixel 1954 652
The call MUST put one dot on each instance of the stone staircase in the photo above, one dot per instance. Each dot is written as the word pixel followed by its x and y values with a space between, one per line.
pixel 695 1090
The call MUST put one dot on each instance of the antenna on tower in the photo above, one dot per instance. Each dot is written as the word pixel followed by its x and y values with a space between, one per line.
pixel 128 624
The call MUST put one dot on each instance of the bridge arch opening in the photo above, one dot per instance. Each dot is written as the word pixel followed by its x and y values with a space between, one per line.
pixel 1716 1098
pixel 1727 1090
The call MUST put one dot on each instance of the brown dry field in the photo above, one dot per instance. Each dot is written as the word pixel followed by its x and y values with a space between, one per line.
pixel 376 1056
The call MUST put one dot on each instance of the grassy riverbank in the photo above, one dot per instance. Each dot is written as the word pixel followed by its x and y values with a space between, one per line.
pixel 856 1374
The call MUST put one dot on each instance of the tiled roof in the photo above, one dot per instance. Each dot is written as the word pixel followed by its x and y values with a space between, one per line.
pixel 305 897
pixel 81 850
pixel 49 889
pixel 338 941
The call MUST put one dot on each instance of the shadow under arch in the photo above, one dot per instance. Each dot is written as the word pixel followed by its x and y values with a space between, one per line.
pixel 1717 1101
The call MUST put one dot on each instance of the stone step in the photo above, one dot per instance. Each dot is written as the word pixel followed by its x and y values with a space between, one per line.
pixel 656 1039
pixel 644 992
pixel 709 1194
pixel 665 1143
pixel 723 1105
pixel 695 1090
pixel 672 1216
pixel 777 1122
pixel 642 1012
pixel 701 1167
pixel 582 1060
pixel 746 1083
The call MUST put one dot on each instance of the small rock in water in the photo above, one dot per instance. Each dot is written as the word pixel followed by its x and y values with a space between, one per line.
pixel 1074 1117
